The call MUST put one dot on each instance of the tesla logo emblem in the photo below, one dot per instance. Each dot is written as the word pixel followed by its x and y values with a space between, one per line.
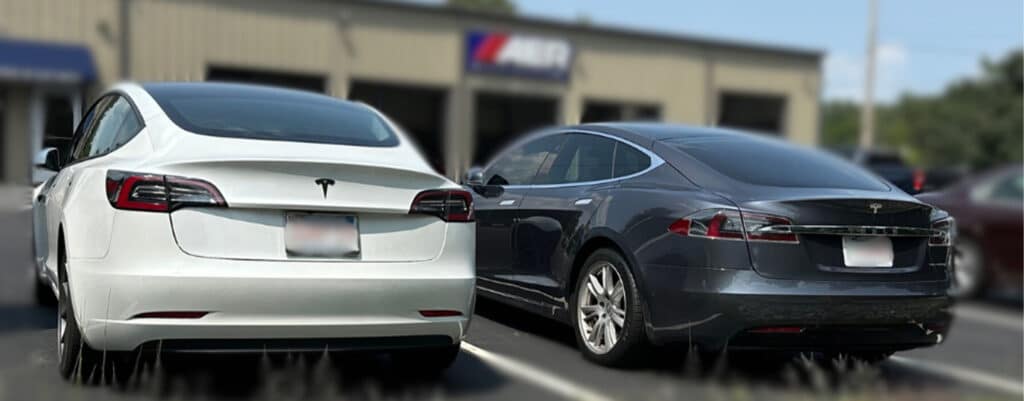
pixel 874 207
pixel 324 183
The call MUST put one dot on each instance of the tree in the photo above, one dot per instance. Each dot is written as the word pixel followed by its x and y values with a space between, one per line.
pixel 975 122
pixel 495 6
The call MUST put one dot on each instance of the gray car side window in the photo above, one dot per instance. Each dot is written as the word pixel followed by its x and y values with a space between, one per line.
pixel 519 165
pixel 629 160
pixel 582 158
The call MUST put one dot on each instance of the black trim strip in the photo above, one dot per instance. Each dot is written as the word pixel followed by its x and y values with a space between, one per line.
pixel 299 344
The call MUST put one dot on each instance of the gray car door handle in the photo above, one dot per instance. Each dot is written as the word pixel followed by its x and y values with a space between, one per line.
pixel 583 202
pixel 507 202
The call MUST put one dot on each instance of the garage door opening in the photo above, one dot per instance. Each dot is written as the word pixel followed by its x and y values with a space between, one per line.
pixel 313 83
pixel 501 118
pixel 419 111
pixel 762 113
pixel 603 111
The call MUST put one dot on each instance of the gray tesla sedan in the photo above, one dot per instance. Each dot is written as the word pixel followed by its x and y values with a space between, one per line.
pixel 640 234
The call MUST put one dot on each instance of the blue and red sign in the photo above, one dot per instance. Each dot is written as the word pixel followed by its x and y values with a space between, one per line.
pixel 515 54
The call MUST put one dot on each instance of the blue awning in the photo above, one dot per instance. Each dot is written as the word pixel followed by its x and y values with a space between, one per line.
pixel 23 60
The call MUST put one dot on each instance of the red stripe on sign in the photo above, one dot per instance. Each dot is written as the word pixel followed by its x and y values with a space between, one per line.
pixel 488 50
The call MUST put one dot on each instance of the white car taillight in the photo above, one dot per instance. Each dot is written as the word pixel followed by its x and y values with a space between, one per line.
pixel 450 205
pixel 731 224
pixel 159 193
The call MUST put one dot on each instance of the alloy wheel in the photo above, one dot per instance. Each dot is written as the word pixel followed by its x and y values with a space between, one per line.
pixel 601 309
pixel 62 320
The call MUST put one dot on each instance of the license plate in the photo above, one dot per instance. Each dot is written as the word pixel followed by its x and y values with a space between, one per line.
pixel 321 235
pixel 867 251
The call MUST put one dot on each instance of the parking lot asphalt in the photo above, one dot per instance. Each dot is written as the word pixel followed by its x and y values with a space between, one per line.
pixel 511 355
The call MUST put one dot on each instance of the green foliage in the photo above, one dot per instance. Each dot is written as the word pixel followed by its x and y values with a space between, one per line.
pixel 841 123
pixel 975 122
pixel 495 6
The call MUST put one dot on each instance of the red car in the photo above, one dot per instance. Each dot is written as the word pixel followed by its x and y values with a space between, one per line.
pixel 988 211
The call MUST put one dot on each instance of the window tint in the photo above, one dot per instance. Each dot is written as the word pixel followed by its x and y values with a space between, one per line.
pixel 254 112
pixel 87 129
pixel 885 159
pixel 124 124
pixel 131 127
pixel 519 165
pixel 81 130
pixel 629 160
pixel 763 161
pixel 113 127
pixel 1010 188
pixel 582 158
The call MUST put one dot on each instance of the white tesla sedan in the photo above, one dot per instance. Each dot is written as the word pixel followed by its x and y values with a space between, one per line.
pixel 234 218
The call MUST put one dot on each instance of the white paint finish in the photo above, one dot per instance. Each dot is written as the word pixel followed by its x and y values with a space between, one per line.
pixel 548 380
pixel 993 382
pixel 238 233
pixel 122 263
pixel 251 180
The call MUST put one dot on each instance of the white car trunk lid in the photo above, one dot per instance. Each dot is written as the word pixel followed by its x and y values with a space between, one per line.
pixel 261 187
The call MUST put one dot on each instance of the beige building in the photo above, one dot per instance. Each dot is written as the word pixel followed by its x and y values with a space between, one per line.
pixel 462 83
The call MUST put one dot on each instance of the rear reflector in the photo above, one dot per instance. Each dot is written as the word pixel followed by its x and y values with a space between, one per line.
pixel 440 313
pixel 733 224
pixel 777 330
pixel 450 205
pixel 943 232
pixel 171 315
pixel 158 193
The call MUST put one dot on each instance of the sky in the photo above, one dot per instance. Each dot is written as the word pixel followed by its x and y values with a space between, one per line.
pixel 923 45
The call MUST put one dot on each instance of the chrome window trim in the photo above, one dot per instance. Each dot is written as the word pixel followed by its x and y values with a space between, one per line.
pixel 655 162
pixel 860 231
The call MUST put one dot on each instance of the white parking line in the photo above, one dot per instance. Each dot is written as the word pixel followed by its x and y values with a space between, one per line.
pixel 537 376
pixel 1005 320
pixel 1010 386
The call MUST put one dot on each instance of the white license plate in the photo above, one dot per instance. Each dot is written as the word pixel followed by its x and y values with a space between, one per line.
pixel 321 235
pixel 867 251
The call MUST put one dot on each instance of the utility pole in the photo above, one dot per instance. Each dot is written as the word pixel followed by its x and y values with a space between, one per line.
pixel 867 108
pixel 125 40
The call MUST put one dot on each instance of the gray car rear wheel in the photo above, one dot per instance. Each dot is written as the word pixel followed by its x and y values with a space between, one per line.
pixel 606 312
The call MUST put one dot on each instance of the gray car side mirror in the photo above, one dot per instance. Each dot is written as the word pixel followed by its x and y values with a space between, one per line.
pixel 473 177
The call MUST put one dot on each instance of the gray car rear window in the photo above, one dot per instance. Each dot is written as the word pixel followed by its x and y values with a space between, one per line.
pixel 254 112
pixel 770 162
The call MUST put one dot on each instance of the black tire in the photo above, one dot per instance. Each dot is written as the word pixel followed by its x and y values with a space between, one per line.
pixel 426 361
pixel 43 294
pixel 970 277
pixel 631 345
pixel 79 363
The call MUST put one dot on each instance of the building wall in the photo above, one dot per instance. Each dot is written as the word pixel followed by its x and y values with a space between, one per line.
pixel 341 41
pixel 94 23
pixel 798 81
pixel 17 157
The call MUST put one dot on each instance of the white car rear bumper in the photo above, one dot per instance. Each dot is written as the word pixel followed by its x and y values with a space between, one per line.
pixel 271 300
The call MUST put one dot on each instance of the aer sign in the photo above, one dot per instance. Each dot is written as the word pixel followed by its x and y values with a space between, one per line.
pixel 515 54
